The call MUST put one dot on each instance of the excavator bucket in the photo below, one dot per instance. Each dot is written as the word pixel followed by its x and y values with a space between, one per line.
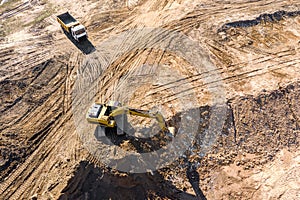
pixel 172 130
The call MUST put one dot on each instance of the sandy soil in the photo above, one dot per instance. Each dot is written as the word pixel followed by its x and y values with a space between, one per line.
pixel 256 63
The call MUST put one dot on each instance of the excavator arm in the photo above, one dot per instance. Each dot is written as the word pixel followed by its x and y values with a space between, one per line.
pixel 142 113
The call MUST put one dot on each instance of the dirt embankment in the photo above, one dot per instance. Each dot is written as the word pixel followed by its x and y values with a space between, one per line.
pixel 254 46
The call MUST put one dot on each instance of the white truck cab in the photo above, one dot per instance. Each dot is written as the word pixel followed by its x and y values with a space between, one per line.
pixel 78 32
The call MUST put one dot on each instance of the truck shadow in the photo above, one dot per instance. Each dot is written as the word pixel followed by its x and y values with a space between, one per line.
pixel 85 46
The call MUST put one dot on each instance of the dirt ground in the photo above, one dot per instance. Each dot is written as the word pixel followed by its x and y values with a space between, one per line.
pixel 253 46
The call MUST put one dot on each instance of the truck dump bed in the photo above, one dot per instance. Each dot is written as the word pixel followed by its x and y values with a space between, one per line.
pixel 67 21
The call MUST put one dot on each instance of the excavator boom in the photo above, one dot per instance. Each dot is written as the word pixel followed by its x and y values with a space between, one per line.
pixel 142 113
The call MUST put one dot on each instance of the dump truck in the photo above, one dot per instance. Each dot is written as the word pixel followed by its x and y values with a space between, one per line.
pixel 105 115
pixel 72 26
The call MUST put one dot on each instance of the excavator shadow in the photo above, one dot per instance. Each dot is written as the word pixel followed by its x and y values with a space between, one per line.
pixel 116 137
pixel 93 182
pixel 85 46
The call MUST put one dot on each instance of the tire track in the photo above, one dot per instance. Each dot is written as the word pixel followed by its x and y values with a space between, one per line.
pixel 225 71
pixel 227 80
pixel 25 173
pixel 18 9
pixel 189 21
pixel 35 161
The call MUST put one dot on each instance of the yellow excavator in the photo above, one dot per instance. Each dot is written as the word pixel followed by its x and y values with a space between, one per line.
pixel 105 114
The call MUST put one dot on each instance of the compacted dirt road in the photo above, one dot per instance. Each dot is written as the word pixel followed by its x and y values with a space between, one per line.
pixel 249 52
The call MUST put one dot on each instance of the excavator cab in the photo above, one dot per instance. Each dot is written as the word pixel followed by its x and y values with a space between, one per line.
pixel 94 111
pixel 100 114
